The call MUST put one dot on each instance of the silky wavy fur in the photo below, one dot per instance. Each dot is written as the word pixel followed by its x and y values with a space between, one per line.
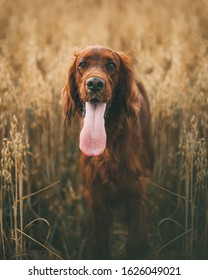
pixel 117 179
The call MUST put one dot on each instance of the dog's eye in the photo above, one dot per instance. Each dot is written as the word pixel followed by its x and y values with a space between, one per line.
pixel 82 65
pixel 111 67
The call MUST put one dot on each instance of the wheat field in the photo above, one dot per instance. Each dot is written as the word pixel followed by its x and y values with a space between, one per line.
pixel 42 213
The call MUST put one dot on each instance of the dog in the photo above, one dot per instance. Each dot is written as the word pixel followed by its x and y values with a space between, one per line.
pixel 115 141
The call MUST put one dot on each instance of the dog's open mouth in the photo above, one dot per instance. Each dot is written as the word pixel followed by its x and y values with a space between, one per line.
pixel 93 134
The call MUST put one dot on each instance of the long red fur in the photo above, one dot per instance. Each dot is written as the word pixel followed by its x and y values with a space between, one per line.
pixel 118 178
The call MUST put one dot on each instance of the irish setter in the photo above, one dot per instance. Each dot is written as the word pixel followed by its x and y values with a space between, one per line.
pixel 115 141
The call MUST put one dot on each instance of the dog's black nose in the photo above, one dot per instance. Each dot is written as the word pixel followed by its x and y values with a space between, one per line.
pixel 95 84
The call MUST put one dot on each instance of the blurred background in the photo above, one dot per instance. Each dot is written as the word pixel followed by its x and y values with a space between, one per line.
pixel 42 213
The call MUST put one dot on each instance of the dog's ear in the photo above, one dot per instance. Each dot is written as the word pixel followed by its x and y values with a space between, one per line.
pixel 127 88
pixel 70 96
pixel 68 93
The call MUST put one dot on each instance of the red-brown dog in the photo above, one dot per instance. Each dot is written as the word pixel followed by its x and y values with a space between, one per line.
pixel 115 140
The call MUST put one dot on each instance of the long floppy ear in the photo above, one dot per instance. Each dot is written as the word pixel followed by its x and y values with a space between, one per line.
pixel 127 88
pixel 70 96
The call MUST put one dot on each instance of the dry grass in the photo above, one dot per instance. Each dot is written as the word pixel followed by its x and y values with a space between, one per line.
pixel 43 218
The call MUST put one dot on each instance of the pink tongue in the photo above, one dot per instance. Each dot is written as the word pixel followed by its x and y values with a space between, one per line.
pixel 93 135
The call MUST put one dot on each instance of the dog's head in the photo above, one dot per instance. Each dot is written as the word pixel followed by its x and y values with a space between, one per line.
pixel 99 84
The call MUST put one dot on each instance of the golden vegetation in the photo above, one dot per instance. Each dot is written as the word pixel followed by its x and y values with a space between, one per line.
pixel 42 214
